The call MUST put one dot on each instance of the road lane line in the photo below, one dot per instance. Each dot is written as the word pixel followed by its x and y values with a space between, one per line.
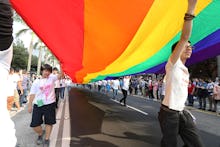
pixel 138 110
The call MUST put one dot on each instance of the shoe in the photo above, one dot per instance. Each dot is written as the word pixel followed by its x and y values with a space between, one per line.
pixel 39 140
pixel 209 109
pixel 46 143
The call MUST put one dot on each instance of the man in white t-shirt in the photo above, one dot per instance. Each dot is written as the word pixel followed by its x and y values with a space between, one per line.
pixel 7 135
pixel 115 86
pixel 174 119
pixel 42 103
pixel 125 87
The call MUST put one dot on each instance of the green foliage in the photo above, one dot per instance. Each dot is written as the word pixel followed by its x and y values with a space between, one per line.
pixel 20 56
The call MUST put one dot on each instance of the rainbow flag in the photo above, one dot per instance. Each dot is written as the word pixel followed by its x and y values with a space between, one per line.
pixel 97 39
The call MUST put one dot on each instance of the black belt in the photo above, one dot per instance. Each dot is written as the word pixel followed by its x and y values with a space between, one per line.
pixel 166 108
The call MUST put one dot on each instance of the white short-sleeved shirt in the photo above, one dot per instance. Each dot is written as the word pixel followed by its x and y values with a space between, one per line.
pixel 44 90
pixel 12 84
pixel 176 89
pixel 57 84
pixel 126 82
pixel 115 84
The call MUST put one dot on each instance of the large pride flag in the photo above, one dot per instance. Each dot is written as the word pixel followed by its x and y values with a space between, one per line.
pixel 97 39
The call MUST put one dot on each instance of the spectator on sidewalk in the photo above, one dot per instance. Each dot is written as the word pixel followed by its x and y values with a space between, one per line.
pixel 62 87
pixel 14 82
pixel 42 96
pixel 68 83
pixel 210 87
pixel 115 86
pixel 216 94
pixel 24 84
pixel 150 87
pixel 174 119
pixel 203 95
pixel 191 89
pixel 57 86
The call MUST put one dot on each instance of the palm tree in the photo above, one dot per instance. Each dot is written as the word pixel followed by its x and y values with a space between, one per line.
pixel 26 30
pixel 49 58
pixel 30 48
pixel 41 47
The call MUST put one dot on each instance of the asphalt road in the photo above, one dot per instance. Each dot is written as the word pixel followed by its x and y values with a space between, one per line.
pixel 99 121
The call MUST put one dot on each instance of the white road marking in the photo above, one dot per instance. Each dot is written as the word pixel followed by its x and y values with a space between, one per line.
pixel 138 110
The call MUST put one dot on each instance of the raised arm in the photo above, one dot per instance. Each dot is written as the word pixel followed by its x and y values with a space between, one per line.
pixel 61 74
pixel 186 32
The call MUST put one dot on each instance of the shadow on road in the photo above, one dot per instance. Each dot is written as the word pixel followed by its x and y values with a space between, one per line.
pixel 85 118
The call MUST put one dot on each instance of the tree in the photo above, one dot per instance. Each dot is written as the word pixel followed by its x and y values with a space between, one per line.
pixel 26 30
pixel 20 56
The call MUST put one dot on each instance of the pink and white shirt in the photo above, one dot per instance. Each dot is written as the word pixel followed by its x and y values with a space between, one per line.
pixel 44 89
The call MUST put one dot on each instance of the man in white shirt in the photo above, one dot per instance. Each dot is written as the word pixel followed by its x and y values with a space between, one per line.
pixel 115 87
pixel 42 95
pixel 7 135
pixel 125 87
pixel 174 120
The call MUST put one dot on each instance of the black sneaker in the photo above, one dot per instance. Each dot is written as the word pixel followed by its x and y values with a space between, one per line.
pixel 46 143
pixel 39 140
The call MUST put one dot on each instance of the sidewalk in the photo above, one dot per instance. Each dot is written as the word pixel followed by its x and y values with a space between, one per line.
pixel 26 137
pixel 24 133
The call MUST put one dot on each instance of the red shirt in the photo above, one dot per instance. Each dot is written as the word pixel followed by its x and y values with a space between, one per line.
pixel 190 88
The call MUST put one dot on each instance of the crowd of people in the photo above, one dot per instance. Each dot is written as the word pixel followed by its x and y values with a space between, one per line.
pixel 19 84
pixel 42 93
pixel 204 91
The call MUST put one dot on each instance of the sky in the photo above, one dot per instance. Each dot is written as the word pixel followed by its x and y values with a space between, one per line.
pixel 26 38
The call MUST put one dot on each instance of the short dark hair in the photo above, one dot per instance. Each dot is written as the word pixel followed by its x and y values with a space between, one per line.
pixel 12 69
pixel 174 45
pixel 55 69
pixel 46 67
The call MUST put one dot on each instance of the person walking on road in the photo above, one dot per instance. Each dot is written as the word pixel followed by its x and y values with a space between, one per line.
pixel 174 119
pixel 125 87
pixel 42 96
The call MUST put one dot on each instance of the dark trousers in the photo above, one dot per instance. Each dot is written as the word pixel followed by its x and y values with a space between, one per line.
pixel 190 100
pixel 57 94
pixel 151 93
pixel 62 90
pixel 202 102
pixel 125 93
pixel 174 123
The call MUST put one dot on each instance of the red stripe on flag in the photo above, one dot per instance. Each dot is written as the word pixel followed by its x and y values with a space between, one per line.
pixel 60 25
